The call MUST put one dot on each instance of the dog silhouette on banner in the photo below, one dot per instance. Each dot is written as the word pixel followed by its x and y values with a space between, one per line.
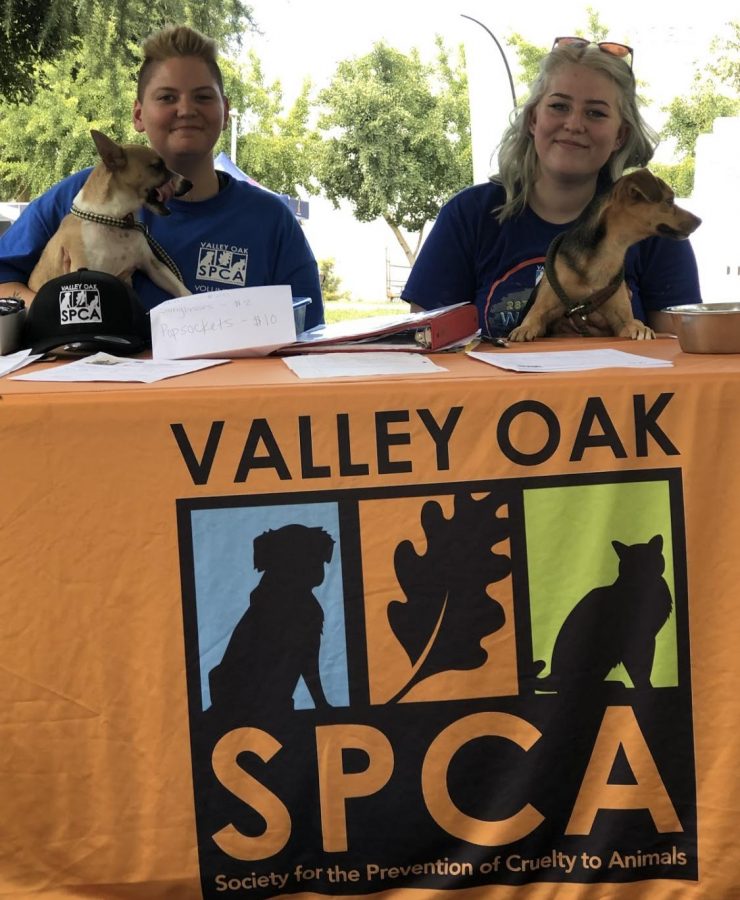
pixel 277 640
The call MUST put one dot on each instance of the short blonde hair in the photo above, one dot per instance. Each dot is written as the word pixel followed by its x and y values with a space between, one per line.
pixel 173 41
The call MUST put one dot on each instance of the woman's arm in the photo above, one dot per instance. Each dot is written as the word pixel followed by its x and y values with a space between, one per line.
pixel 444 272
pixel 23 243
pixel 661 322
pixel 666 274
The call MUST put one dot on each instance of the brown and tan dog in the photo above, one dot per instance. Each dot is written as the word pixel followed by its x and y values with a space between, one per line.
pixel 101 232
pixel 583 288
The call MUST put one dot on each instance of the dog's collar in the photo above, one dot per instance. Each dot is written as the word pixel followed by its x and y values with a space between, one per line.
pixel 576 311
pixel 130 222
pixel 126 222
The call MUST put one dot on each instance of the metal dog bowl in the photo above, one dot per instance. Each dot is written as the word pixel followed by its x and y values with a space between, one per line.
pixel 707 327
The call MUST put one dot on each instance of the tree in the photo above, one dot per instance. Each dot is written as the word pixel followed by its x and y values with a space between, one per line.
pixel 279 149
pixel 715 94
pixel 331 283
pixel 44 141
pixel 688 117
pixel 397 138
pixel 726 55
pixel 31 33
pixel 34 32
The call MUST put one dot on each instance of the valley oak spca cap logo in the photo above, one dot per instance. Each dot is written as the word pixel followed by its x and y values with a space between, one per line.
pixel 79 304
pixel 86 307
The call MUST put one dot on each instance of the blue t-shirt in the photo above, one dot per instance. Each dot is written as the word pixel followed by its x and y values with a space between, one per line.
pixel 470 256
pixel 244 236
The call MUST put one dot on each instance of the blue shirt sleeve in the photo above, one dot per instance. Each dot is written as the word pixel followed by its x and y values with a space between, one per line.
pixel 445 269
pixel 662 272
pixel 23 243
pixel 297 266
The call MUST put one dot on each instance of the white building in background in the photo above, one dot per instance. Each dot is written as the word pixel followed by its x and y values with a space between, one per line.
pixel 715 199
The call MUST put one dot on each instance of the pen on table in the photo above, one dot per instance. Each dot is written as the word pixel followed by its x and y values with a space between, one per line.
pixel 496 341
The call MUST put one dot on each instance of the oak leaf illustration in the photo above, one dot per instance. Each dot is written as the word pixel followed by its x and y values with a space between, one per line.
pixel 448 611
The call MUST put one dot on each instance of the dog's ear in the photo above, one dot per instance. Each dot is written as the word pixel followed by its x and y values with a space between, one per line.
pixel 324 545
pixel 641 185
pixel 263 550
pixel 113 156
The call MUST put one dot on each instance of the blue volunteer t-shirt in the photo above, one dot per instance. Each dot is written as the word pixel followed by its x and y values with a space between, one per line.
pixel 470 256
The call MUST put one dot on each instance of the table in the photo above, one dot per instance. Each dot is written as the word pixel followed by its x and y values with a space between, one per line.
pixel 266 637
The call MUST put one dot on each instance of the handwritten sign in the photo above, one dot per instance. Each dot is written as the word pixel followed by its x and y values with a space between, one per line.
pixel 221 324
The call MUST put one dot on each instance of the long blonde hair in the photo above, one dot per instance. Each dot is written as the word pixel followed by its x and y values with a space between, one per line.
pixel 517 157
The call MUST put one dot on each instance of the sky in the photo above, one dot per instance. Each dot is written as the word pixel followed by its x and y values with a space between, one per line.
pixel 307 38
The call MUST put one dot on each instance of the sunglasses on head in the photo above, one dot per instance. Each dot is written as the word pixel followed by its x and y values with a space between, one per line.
pixel 621 51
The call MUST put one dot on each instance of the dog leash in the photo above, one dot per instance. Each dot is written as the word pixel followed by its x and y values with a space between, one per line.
pixel 582 309
pixel 130 222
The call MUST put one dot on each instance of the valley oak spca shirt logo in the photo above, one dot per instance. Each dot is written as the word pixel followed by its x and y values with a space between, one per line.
pixel 223 264
pixel 80 304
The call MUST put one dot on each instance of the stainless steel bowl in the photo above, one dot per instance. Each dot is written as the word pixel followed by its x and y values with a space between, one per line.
pixel 707 327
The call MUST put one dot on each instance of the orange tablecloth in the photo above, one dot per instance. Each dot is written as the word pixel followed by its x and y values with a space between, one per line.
pixel 458 729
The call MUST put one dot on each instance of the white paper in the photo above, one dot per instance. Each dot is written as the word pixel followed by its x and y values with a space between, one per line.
pixel 13 361
pixel 224 324
pixel 340 365
pixel 105 367
pixel 567 360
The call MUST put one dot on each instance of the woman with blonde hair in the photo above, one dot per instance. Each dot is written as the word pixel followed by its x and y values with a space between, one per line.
pixel 579 129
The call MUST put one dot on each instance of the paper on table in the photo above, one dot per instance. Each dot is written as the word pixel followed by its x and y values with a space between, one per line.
pixel 105 367
pixel 339 365
pixel 567 360
pixel 13 361
pixel 223 324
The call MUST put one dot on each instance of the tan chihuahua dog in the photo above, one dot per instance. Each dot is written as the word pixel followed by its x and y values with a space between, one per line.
pixel 101 232
pixel 583 288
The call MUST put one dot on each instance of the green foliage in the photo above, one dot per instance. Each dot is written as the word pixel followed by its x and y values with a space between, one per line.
pixel 35 32
pixel 688 117
pixel 277 148
pixel 529 56
pixel 714 95
pixel 44 141
pixel 726 55
pixel 344 310
pixel 331 282
pixel 397 137
pixel 680 175
pixel 32 32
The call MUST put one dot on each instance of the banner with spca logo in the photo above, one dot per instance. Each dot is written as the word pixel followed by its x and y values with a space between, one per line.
pixel 440 687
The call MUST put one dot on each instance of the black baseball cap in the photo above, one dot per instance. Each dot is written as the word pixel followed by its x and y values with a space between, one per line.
pixel 84 312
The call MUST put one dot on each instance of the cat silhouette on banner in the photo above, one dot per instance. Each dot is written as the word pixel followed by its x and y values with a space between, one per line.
pixel 277 640
pixel 613 624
